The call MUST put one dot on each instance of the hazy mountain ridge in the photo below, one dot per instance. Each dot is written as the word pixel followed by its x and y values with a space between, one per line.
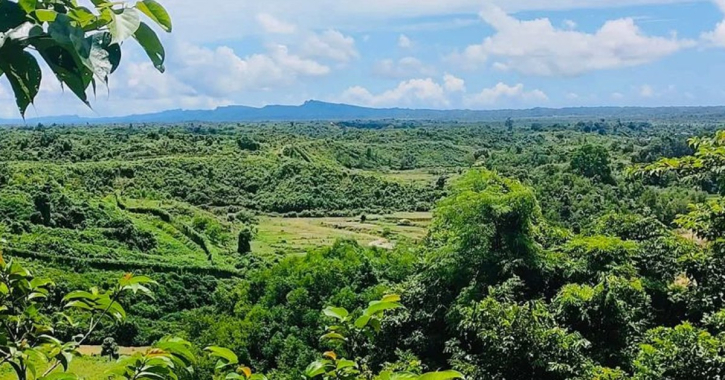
pixel 317 110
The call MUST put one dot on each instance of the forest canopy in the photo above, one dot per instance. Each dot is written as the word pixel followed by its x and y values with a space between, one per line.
pixel 476 251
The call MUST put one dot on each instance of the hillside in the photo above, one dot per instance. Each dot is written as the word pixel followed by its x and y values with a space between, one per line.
pixel 251 229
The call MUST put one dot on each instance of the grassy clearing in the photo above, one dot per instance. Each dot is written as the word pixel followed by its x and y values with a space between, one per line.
pixel 297 235
pixel 89 366
pixel 419 176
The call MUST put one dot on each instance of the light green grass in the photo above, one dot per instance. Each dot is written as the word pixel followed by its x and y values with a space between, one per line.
pixel 90 366
pixel 297 235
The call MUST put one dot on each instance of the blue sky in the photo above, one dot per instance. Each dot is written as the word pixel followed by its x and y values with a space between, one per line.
pixel 422 54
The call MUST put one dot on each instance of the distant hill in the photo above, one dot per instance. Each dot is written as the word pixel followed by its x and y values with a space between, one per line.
pixel 316 110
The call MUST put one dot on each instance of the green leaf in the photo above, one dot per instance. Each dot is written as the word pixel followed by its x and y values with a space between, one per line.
pixel 98 59
pixel 124 25
pixel 155 12
pixel 391 298
pixel 333 336
pixel 28 5
pixel 380 306
pixel 317 368
pixel 80 295
pixel 388 375
pixel 151 44
pixel 46 15
pixel 344 363
pixel 23 72
pixel 227 356
pixel 336 312
pixel 362 321
pixel 11 16
pixel 82 15
pixel 443 375
pixel 67 68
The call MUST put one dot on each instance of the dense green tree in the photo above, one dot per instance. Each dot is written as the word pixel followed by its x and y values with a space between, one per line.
pixel 592 161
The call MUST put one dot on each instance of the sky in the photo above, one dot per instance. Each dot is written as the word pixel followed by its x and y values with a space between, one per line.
pixel 453 54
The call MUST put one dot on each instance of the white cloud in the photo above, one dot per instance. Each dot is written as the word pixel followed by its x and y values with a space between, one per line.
pixel 220 72
pixel 453 84
pixel 414 92
pixel 196 22
pixel 536 47
pixel 330 44
pixel 716 37
pixel 501 91
pixel 570 24
pixel 271 24
pixel 404 42
pixel 646 91
pixel 617 96
pixel 572 96
pixel 407 67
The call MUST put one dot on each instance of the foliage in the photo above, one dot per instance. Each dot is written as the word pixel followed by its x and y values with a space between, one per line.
pixel 110 348
pixel 530 268
pixel 28 338
pixel 679 353
pixel 592 161
pixel 524 340
pixel 80 45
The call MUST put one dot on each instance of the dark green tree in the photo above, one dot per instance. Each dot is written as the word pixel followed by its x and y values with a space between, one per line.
pixel 592 161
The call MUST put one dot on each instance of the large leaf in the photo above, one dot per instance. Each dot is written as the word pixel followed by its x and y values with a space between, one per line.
pixel 46 15
pixel 380 306
pixel 317 368
pixel 82 15
pixel 66 68
pixel 28 5
pixel 11 15
pixel 124 25
pixel 70 36
pixel 362 321
pixel 150 42
pixel 99 58
pixel 23 32
pixel 23 72
pixel 155 12
pixel 336 312
pixel 227 357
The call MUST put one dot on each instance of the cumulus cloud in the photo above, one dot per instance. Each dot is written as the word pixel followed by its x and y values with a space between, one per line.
pixel 716 37
pixel 453 84
pixel 502 91
pixel 330 44
pixel 570 24
pixel 407 67
pixel 221 72
pixel 536 47
pixel 414 92
pixel 404 42
pixel 271 24
pixel 238 17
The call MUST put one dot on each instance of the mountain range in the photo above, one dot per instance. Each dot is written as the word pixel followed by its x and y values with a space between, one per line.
pixel 316 110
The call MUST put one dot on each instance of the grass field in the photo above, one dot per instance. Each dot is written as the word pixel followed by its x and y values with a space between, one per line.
pixel 89 366
pixel 279 235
